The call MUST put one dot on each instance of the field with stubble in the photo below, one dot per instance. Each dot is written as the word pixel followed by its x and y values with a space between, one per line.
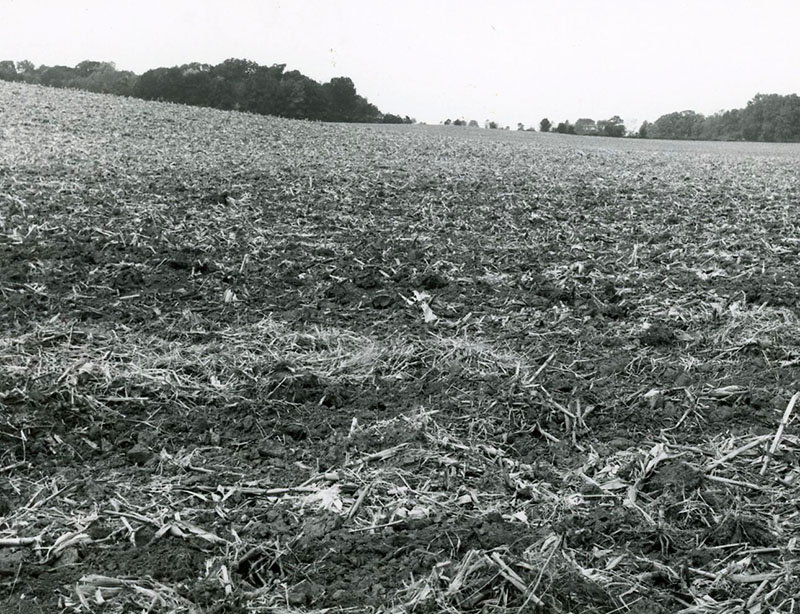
pixel 250 364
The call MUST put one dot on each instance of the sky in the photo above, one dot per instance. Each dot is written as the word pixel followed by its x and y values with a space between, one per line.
pixel 507 60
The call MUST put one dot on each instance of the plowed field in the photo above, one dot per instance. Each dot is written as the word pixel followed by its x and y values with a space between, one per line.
pixel 250 364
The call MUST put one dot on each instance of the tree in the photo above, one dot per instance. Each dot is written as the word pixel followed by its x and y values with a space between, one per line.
pixel 492 125
pixel 57 76
pixel 101 77
pixel 545 125
pixel 678 125
pixel 473 124
pixel 771 117
pixel 167 84
pixel 586 126
pixel 447 122
pixel 8 71
pixel 343 96
pixel 389 118
pixel 612 127
pixel 520 126
pixel 88 67
pixel 230 79
pixel 565 128
pixel 262 91
pixel 235 69
pixel 643 130
pixel 27 69
pixel 291 102
pixel 197 84
pixel 730 125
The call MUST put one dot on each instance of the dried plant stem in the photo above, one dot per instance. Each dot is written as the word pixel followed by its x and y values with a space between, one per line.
pixel 16 542
pixel 777 441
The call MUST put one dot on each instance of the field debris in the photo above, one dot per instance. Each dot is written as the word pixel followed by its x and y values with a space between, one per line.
pixel 250 364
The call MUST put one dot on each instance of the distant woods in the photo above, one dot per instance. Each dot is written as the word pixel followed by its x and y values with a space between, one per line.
pixel 588 127
pixel 585 127
pixel 244 85
pixel 234 84
pixel 767 117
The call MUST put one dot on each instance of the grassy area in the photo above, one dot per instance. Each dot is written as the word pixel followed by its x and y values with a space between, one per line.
pixel 257 365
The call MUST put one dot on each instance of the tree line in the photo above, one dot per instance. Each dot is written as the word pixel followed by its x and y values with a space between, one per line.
pixel 488 124
pixel 243 85
pixel 234 84
pixel 587 127
pixel 767 117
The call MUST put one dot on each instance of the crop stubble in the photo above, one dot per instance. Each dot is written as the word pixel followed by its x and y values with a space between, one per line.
pixel 252 363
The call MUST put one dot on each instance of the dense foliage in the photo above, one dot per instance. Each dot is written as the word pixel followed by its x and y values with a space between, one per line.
pixel 234 84
pixel 767 117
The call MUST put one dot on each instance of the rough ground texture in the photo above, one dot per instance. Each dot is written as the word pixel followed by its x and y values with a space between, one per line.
pixel 256 365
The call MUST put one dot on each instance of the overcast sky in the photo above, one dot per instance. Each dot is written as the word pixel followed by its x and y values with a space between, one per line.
pixel 513 61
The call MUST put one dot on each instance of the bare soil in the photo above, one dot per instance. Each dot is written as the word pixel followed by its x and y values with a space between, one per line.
pixel 250 364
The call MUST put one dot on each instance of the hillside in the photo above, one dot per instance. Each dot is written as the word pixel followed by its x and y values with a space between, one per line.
pixel 251 364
